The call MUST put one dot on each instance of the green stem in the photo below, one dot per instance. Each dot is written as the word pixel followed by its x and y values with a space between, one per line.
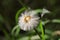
pixel 41 27
pixel 37 32
pixel 23 4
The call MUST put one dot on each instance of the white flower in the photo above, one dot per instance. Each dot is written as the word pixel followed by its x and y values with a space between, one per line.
pixel 28 20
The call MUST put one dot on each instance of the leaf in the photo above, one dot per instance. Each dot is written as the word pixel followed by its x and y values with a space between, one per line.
pixel 14 29
pixel 42 30
pixel 17 31
pixel 38 10
pixel 6 34
pixel 42 11
pixel 45 22
pixel 53 21
pixel 23 38
pixel 1 18
pixel 59 39
pixel 56 21
pixel 19 12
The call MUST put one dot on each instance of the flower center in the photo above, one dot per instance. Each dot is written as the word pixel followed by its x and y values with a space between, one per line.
pixel 27 18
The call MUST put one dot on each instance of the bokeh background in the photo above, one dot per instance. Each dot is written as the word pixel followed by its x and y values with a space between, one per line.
pixel 9 8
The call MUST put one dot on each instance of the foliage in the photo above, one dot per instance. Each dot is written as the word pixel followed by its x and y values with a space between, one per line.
pixel 9 20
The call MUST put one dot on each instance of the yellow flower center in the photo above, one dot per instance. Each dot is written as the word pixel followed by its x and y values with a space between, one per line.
pixel 27 18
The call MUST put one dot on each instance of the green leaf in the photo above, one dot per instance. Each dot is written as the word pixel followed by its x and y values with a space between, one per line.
pixel 18 13
pixel 23 38
pixel 1 18
pixel 14 29
pixel 42 30
pixel 45 22
pixel 56 21
pixel 17 31
pixel 38 10
pixel 53 21
pixel 6 34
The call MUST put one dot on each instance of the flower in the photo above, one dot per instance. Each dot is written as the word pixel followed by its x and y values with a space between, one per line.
pixel 28 20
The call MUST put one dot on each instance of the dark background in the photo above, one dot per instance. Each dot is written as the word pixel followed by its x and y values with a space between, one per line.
pixel 8 9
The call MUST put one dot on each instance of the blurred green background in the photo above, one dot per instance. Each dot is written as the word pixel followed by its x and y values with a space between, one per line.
pixel 8 9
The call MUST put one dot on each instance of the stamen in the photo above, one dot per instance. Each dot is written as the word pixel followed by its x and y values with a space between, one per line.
pixel 27 18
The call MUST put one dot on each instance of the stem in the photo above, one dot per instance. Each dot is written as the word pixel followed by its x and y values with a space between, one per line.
pixel 41 27
pixel 37 32
pixel 23 4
